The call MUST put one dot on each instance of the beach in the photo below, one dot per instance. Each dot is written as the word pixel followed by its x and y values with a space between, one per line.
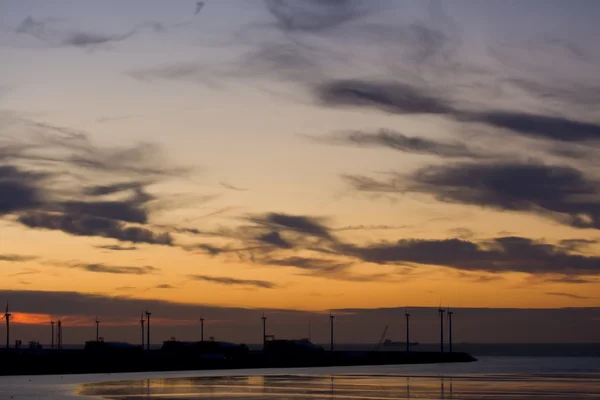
pixel 490 378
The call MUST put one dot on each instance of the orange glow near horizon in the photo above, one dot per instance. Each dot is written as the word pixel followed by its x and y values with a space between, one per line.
pixel 86 321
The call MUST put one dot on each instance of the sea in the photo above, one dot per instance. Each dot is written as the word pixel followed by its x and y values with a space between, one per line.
pixel 491 377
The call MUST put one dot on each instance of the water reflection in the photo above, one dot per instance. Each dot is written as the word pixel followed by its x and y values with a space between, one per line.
pixel 313 387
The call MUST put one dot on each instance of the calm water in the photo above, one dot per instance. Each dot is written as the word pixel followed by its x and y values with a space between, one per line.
pixel 490 378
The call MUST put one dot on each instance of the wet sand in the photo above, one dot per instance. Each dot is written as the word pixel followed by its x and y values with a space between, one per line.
pixel 384 382
pixel 309 387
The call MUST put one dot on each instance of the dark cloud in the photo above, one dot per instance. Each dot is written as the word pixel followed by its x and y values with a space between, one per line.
pixel 297 223
pixel 314 15
pixel 20 189
pixel 562 193
pixel 59 198
pixel 504 254
pixel 401 98
pixel 275 239
pixel 83 225
pixel 398 141
pixel 223 280
pixel 568 295
pixel 111 269
pixel 390 97
pixel 540 126
pixel 127 211
pixel 16 258
pixel 113 188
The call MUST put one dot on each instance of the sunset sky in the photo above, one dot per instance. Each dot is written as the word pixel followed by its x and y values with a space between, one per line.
pixel 297 157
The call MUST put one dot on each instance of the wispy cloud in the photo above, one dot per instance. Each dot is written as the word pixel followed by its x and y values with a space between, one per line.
pixel 385 138
pixel 228 281
pixel 568 295
pixel 164 286
pixel 16 258
pixel 50 31
pixel 111 269
pixel 116 247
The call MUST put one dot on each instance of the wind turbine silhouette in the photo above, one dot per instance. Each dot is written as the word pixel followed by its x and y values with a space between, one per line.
pixel 97 329
pixel 52 340
pixel 331 317
pixel 407 315
pixel 441 311
pixel 450 313
pixel 148 313
pixel 142 325
pixel 7 316
pixel 59 334
pixel 201 327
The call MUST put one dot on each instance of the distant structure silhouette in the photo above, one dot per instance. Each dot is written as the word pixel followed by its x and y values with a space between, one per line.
pixel 264 326
pixel 450 313
pixel 441 311
pixel 331 317
pixel 52 341
pixel 7 317
pixel 407 315
pixel 148 330
pixel 202 328
pixel 142 321
pixel 97 330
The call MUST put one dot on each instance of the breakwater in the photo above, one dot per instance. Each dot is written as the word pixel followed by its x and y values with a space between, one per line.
pixel 44 362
